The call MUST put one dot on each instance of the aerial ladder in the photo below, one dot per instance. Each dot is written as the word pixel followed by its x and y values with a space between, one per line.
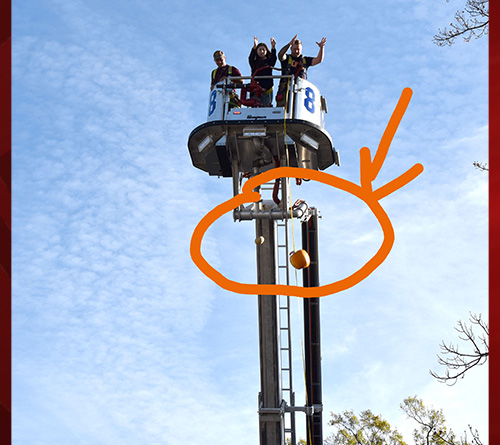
pixel 241 139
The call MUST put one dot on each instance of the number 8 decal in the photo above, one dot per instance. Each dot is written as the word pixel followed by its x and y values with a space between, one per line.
pixel 213 103
pixel 309 100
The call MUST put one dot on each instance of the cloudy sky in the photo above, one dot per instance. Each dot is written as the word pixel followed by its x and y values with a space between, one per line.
pixel 117 336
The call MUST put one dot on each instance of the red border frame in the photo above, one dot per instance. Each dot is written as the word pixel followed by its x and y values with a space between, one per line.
pixel 494 225
pixel 5 220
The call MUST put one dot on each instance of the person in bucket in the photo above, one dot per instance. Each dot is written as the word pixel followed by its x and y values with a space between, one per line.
pixel 225 71
pixel 296 64
pixel 262 61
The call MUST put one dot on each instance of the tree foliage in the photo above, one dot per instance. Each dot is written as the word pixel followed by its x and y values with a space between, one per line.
pixel 458 361
pixel 432 427
pixel 370 429
pixel 473 20
pixel 367 429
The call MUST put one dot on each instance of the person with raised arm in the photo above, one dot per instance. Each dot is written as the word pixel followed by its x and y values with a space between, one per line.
pixel 262 61
pixel 295 64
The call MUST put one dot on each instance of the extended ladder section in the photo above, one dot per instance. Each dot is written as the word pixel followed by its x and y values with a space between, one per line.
pixel 282 254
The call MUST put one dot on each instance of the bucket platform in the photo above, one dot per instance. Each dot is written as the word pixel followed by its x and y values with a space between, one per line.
pixel 261 138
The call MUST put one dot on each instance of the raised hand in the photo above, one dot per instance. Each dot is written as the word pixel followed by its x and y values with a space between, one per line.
pixel 322 43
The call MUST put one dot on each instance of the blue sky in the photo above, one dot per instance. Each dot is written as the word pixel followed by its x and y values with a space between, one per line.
pixel 117 336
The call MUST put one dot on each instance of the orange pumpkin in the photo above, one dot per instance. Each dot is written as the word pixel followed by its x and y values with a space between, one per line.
pixel 300 259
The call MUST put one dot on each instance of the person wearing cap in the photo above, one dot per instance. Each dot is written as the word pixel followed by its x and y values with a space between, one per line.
pixel 296 64
pixel 223 70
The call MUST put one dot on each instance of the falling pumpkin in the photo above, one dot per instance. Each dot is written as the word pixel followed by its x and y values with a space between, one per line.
pixel 300 259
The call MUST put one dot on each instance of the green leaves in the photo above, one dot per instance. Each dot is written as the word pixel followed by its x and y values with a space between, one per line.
pixel 372 429
pixel 431 425
pixel 368 429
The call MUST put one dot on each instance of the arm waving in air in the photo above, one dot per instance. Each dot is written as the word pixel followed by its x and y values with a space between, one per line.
pixel 321 53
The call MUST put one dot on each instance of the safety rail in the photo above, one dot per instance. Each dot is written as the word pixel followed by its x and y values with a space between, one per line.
pixel 229 85
pixel 302 100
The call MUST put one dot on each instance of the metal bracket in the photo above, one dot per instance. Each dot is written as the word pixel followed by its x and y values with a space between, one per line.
pixel 309 410
pixel 270 211
pixel 280 410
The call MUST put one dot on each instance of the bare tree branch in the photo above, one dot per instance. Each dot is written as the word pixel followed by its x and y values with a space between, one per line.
pixel 473 20
pixel 457 362
pixel 475 436
pixel 481 166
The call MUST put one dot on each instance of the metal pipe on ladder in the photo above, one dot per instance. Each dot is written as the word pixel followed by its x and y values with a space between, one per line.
pixel 312 334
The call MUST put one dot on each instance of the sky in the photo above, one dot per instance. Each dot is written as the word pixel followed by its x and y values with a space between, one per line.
pixel 117 336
